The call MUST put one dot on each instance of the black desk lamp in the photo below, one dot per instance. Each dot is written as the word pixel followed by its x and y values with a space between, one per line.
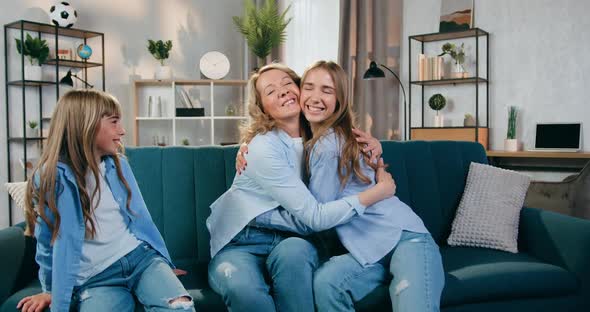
pixel 375 72
pixel 67 80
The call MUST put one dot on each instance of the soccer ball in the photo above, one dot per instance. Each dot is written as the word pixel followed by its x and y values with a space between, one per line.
pixel 63 14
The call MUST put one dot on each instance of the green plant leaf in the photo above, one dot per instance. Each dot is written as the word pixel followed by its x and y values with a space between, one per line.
pixel 262 28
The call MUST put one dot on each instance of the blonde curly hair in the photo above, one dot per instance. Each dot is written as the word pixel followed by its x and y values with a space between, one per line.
pixel 259 121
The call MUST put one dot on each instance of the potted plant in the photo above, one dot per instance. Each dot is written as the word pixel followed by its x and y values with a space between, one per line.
pixel 36 51
pixel 185 142
pixel 511 143
pixel 437 102
pixel 469 121
pixel 458 55
pixel 32 129
pixel 160 50
pixel 263 28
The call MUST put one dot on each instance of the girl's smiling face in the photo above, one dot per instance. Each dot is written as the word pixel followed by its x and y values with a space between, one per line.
pixel 318 96
pixel 108 138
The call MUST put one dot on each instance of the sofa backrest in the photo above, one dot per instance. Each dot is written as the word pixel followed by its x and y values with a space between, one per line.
pixel 430 178
pixel 179 183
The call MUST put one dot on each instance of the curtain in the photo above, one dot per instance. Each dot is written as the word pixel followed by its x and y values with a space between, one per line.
pixel 371 30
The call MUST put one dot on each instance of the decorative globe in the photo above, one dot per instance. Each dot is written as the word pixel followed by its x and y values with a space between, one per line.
pixel 84 51
pixel 63 14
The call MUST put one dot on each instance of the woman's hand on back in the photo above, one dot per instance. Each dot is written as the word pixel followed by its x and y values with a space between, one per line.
pixel 384 178
pixel 35 303
pixel 241 162
pixel 372 145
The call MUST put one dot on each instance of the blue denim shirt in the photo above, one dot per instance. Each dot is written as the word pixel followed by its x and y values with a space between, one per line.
pixel 269 182
pixel 368 237
pixel 59 264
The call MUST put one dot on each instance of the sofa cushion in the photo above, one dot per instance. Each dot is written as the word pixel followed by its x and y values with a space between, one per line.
pixel 490 209
pixel 478 275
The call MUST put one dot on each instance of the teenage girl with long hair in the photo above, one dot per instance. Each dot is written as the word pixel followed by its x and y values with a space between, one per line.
pixel 97 246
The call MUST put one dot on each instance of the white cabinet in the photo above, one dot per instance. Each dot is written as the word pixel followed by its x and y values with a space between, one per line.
pixel 222 104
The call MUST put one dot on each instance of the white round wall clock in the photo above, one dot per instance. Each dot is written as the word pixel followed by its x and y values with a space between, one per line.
pixel 214 65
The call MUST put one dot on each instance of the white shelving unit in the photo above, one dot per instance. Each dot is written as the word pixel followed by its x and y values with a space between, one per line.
pixel 216 127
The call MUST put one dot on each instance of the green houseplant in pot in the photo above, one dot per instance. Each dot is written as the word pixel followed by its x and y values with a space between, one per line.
pixel 32 129
pixel 263 28
pixel 457 53
pixel 437 102
pixel 511 143
pixel 160 50
pixel 36 51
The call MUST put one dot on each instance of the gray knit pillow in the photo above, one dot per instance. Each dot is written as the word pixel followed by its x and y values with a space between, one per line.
pixel 489 211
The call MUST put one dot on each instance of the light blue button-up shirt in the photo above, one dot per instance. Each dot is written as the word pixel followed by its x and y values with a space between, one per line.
pixel 269 182
pixel 59 264
pixel 368 237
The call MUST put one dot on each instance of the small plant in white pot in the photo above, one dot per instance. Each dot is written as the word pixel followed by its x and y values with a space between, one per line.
pixel 160 50
pixel 511 143
pixel 36 51
pixel 32 129
pixel 437 102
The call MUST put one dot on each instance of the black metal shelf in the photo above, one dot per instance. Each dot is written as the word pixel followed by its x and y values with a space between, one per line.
pixel 431 37
pixel 450 127
pixel 451 81
pixel 72 63
pixel 52 29
pixel 476 80
pixel 30 83
pixel 22 139
pixel 49 32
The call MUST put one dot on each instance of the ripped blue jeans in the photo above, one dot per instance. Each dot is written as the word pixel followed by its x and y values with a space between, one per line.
pixel 143 273
pixel 418 277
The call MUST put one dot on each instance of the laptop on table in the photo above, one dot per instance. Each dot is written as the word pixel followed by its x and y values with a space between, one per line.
pixel 558 137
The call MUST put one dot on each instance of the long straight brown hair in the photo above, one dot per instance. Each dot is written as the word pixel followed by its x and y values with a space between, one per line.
pixel 75 123
pixel 342 121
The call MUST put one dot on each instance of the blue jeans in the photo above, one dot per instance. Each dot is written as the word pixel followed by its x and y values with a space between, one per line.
pixel 142 272
pixel 265 270
pixel 418 277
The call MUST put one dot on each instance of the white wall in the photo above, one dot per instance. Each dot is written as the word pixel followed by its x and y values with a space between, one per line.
pixel 194 26
pixel 538 62
pixel 313 34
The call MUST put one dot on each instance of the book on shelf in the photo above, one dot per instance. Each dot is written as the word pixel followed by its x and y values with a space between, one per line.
pixel 430 67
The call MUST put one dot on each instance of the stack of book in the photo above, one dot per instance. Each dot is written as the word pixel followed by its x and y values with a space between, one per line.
pixel 430 67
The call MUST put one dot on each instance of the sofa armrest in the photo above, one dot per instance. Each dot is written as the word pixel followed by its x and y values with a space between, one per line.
pixel 17 260
pixel 12 249
pixel 557 239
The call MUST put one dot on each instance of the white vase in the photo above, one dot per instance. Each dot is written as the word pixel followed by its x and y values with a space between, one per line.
pixel 163 73
pixel 32 133
pixel 439 121
pixel 33 72
pixel 458 71
pixel 511 145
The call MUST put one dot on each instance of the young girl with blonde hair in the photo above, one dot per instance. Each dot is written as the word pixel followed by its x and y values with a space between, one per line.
pixel 97 246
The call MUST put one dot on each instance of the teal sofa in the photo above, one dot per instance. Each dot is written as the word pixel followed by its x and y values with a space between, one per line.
pixel 550 273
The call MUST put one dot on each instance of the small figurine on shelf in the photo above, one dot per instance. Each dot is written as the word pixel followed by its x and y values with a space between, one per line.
pixel 469 121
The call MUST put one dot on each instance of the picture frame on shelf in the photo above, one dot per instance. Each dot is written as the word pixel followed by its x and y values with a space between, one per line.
pixel 456 15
